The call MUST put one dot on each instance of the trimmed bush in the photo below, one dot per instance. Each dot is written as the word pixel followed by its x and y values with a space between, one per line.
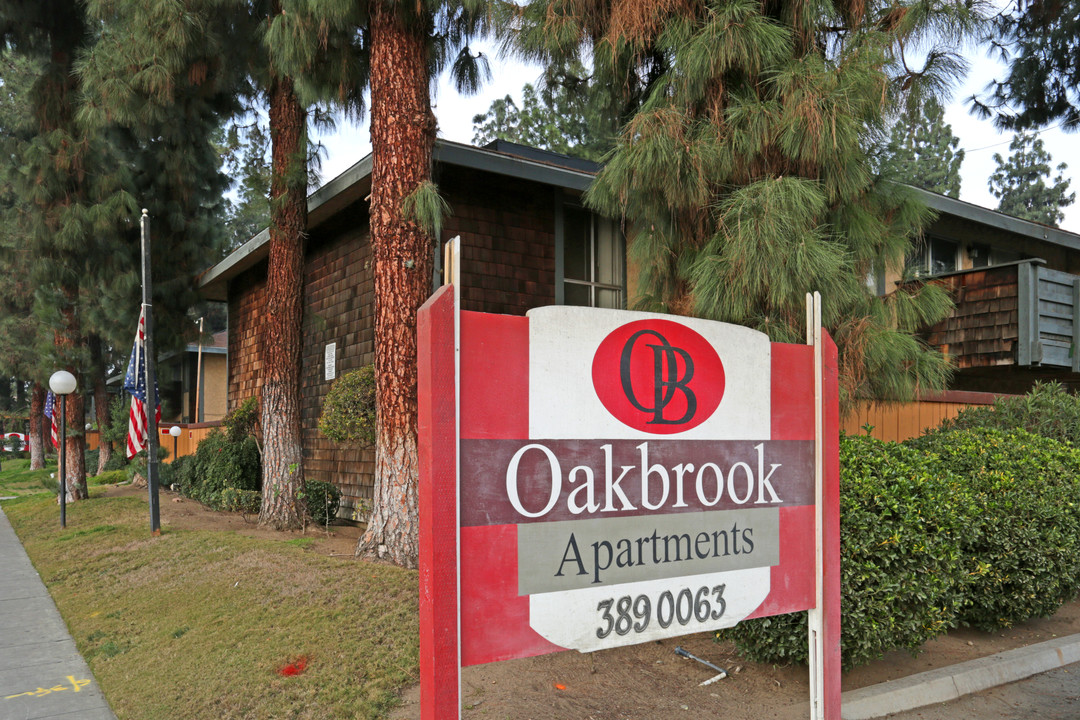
pixel 348 414
pixel 323 500
pixel 902 574
pixel 1023 540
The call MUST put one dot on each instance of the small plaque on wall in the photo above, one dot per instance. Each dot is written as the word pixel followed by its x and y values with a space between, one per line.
pixel 330 361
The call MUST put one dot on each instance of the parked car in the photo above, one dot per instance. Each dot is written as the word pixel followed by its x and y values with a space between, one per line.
pixel 14 441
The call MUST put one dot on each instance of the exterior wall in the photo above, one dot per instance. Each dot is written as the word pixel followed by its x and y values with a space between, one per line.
pixel 507 230
pixel 339 307
pixel 507 227
pixel 246 303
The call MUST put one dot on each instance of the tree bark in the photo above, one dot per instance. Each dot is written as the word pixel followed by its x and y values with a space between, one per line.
pixel 101 409
pixel 101 403
pixel 36 439
pixel 66 340
pixel 283 468
pixel 402 138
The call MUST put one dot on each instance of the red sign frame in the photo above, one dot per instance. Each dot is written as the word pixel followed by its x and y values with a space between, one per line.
pixel 485 619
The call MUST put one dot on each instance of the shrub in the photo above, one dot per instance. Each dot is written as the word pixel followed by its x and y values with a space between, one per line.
pixel 117 461
pixel 348 414
pixel 184 474
pixel 221 463
pixel 1022 541
pixel 226 467
pixel 246 501
pixel 110 477
pixel 323 500
pixel 1048 410
pixel 902 575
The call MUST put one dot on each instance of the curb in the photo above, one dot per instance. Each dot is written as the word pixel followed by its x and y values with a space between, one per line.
pixel 949 683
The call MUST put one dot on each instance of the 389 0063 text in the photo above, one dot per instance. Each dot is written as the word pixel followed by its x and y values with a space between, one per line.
pixel 627 613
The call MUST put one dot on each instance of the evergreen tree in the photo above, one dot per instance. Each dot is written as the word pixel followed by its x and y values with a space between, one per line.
pixel 244 149
pixel 1038 41
pixel 1023 184
pixel 564 116
pixel 922 150
pixel 743 175
pixel 69 200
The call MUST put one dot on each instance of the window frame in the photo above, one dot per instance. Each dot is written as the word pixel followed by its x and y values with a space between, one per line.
pixel 561 203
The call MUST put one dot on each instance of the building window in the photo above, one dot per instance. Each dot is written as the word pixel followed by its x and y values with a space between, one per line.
pixel 592 260
pixel 933 256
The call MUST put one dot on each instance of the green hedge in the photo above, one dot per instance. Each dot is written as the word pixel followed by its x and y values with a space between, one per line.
pixel 902 573
pixel 1023 540
pixel 960 527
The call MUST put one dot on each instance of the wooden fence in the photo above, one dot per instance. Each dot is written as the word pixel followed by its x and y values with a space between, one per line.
pixel 191 434
pixel 900 421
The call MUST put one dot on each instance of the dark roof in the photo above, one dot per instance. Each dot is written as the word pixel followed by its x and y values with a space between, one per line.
pixel 543 156
pixel 500 158
pixel 992 218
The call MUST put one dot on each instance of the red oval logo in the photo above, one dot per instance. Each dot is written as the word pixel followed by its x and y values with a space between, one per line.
pixel 658 376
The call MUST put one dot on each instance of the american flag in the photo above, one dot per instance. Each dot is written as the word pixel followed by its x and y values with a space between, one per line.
pixel 50 412
pixel 135 384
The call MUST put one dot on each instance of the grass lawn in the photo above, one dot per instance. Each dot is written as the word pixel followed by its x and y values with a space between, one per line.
pixel 17 478
pixel 201 624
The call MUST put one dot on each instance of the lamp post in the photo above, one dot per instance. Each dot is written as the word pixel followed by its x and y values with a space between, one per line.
pixel 62 383
pixel 175 432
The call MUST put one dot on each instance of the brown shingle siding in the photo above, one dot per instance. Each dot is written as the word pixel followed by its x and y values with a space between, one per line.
pixel 508 266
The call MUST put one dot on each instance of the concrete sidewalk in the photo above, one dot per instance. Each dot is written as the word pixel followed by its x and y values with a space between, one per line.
pixel 42 675
pixel 955 681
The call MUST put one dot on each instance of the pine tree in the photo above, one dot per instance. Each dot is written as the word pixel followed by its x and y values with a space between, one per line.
pixel 1023 185
pixel 922 150
pixel 743 175
pixel 69 201
pixel 564 115
pixel 244 148
pixel 1037 40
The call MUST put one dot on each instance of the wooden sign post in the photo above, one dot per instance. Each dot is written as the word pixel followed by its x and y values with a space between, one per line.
pixel 597 478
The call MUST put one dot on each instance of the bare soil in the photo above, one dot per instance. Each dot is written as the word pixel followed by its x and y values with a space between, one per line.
pixel 642 682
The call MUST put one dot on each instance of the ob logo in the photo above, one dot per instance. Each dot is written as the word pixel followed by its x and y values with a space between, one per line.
pixel 658 376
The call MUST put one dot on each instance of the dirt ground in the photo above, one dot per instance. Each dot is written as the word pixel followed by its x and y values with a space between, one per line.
pixel 642 682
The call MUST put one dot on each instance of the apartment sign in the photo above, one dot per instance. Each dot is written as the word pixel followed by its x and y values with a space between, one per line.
pixel 622 477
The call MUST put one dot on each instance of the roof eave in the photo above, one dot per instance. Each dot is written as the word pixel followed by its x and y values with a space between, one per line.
pixel 354 183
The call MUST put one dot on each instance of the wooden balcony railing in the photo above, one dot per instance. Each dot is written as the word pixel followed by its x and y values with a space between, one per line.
pixel 1020 313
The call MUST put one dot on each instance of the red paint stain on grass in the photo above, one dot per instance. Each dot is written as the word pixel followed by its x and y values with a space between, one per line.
pixel 296 667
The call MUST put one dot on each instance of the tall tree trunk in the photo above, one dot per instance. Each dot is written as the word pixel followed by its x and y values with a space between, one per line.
pixel 101 402
pixel 37 439
pixel 101 409
pixel 402 137
pixel 66 340
pixel 283 462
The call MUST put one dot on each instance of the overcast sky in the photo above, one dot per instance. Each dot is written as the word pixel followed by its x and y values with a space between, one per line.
pixel 349 143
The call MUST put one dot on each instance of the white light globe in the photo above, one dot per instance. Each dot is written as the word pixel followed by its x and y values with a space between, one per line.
pixel 175 431
pixel 62 382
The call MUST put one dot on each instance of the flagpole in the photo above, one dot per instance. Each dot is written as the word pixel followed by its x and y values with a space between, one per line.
pixel 151 385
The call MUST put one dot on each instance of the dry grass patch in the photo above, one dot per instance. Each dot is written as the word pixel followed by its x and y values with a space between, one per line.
pixel 200 624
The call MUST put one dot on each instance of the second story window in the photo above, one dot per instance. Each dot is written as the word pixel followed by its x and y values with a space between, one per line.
pixel 593 260
pixel 933 256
